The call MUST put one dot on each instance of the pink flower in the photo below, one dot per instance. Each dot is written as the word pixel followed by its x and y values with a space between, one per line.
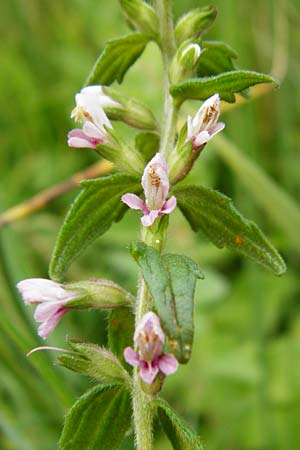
pixel 89 111
pixel 156 187
pixel 149 338
pixel 204 125
pixel 51 298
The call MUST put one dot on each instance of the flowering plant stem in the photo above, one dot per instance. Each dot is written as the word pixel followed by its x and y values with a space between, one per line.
pixel 155 235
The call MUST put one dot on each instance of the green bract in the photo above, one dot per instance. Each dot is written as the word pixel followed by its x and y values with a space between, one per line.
pixel 94 361
pixel 171 280
pixel 216 57
pixel 216 216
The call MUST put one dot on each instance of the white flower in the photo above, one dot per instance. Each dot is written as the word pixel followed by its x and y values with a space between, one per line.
pixel 204 125
pixel 51 298
pixel 156 187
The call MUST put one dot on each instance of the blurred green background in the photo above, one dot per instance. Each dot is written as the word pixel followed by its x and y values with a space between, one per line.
pixel 241 390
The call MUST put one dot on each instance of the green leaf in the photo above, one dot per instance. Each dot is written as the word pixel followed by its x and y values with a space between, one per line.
pixel 116 58
pixel 120 331
pixel 98 420
pixel 179 433
pixel 148 144
pixel 97 206
pixel 226 84
pixel 171 280
pixel 194 23
pixel 94 361
pixel 98 294
pixel 216 57
pixel 216 216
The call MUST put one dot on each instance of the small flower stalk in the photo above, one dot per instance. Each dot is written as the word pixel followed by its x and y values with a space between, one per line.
pixel 198 130
pixel 149 339
pixel 156 187
pixel 51 300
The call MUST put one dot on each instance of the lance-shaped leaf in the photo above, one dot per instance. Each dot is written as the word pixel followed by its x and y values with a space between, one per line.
pixel 216 57
pixel 94 361
pixel 216 216
pixel 116 58
pixel 178 432
pixel 97 206
pixel 171 280
pixel 226 85
pixel 98 294
pixel 120 331
pixel 99 420
pixel 194 23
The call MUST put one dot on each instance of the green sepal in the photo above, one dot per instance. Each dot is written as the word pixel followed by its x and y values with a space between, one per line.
pixel 193 24
pixel 116 58
pixel 184 62
pixel 99 420
pixel 94 361
pixel 120 332
pixel 215 214
pixel 125 157
pixel 171 280
pixel 226 85
pixel 147 144
pixel 130 111
pixel 141 17
pixel 178 432
pixel 216 57
pixel 93 212
pixel 98 294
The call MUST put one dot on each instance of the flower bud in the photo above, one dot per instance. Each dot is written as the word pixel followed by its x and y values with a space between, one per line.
pixel 141 16
pixel 193 24
pixel 185 62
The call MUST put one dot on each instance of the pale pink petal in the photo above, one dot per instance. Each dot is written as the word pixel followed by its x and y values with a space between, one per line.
pixel 202 138
pixel 217 128
pixel 155 182
pixel 80 143
pixel 48 326
pixel 131 357
pixel 148 219
pixel 90 130
pixel 169 205
pixel 153 319
pixel 134 202
pixel 37 290
pixel 45 310
pixel 148 372
pixel 168 364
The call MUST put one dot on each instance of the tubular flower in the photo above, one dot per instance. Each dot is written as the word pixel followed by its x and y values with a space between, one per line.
pixel 204 125
pixel 51 298
pixel 149 338
pixel 89 111
pixel 156 187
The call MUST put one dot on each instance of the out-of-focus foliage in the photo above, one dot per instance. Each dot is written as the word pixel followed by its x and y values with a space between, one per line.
pixel 241 389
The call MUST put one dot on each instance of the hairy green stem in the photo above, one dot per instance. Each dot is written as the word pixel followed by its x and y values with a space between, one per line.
pixel 155 235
